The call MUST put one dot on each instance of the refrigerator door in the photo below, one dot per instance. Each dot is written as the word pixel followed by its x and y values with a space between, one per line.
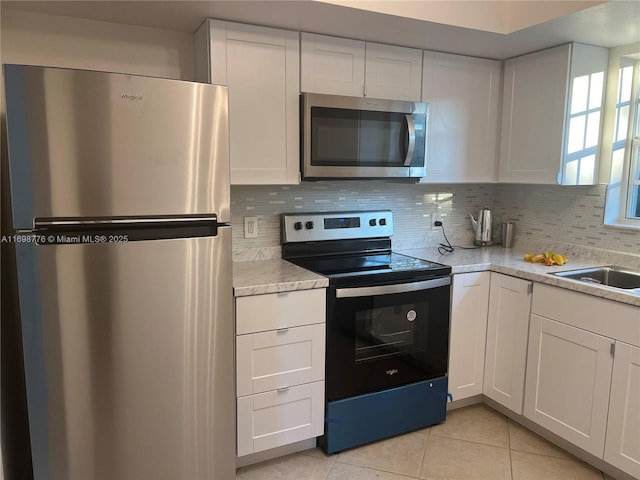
pixel 129 358
pixel 95 144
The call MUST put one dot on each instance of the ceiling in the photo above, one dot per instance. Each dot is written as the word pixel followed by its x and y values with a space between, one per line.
pixel 468 27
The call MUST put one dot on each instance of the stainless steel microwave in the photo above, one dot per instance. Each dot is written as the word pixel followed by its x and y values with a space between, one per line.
pixel 352 137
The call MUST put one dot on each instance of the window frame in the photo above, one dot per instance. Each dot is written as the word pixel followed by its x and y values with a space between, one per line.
pixel 621 179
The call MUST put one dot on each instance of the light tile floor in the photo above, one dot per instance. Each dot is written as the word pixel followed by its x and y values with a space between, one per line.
pixel 475 443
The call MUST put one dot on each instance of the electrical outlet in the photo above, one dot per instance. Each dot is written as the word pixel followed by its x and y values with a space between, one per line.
pixel 437 217
pixel 250 227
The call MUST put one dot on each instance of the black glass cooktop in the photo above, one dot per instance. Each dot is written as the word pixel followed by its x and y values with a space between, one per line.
pixel 385 267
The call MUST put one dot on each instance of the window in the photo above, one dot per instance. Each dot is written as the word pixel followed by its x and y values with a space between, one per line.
pixel 623 194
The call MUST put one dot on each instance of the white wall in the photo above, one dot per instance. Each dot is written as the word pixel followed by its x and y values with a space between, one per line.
pixel 39 39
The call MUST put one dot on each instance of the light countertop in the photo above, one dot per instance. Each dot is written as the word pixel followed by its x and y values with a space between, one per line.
pixel 271 276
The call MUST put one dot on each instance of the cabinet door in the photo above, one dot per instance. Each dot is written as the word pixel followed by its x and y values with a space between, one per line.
pixel 332 65
pixel 463 94
pixel 279 358
pixel 261 67
pixel 622 447
pixel 393 72
pixel 533 108
pixel 585 101
pixel 271 419
pixel 469 303
pixel 568 382
pixel 507 329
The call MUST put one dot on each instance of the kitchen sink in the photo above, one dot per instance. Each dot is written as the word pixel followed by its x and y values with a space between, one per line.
pixel 612 276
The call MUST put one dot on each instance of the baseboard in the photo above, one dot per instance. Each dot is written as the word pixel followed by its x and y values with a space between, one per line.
pixel 465 402
pixel 275 452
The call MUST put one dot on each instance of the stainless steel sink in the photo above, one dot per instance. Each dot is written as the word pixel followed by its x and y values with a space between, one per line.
pixel 612 276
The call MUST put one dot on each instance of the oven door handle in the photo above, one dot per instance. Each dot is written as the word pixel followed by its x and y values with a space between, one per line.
pixel 390 289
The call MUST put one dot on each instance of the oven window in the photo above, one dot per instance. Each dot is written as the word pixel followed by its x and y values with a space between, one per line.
pixel 384 332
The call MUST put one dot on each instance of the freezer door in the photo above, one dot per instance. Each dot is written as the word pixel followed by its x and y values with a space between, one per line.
pixel 129 359
pixel 95 144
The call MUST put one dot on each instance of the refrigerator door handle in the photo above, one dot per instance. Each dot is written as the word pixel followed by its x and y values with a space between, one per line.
pixel 124 222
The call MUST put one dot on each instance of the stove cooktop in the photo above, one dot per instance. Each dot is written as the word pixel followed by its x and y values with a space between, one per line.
pixel 351 247
pixel 372 268
pixel 365 264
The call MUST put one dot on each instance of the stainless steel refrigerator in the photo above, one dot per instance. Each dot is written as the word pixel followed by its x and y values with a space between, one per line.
pixel 120 204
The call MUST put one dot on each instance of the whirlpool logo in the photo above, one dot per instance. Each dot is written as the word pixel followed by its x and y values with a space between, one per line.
pixel 132 97
pixel 392 371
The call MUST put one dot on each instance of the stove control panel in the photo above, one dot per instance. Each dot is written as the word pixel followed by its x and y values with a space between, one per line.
pixel 319 226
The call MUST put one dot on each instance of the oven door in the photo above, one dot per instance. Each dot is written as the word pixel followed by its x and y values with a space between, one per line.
pixel 385 336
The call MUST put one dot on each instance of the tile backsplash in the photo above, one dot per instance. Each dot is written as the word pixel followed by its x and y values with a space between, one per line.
pixel 567 214
pixel 547 213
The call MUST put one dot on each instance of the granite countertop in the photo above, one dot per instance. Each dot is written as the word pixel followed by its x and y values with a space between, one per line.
pixel 272 276
pixel 511 262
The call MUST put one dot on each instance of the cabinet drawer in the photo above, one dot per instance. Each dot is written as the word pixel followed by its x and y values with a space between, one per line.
pixel 271 419
pixel 279 358
pixel 259 313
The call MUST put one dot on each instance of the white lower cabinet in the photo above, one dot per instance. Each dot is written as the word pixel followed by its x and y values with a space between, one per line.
pixel 279 358
pixel 271 419
pixel 568 380
pixel 506 350
pixel 622 447
pixel 583 373
pixel 279 368
pixel 469 304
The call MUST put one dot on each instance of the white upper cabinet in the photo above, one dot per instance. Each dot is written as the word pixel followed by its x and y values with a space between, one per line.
pixel 551 116
pixel 341 66
pixel 463 94
pixel 393 72
pixel 332 65
pixel 261 68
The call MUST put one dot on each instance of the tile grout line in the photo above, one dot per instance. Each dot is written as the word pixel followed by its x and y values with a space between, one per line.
pixel 510 450
pixel 474 441
pixel 424 453
pixel 335 459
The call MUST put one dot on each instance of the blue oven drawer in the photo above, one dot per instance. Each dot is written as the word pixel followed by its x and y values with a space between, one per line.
pixel 366 418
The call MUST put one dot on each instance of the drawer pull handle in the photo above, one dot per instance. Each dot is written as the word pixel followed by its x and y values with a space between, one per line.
pixel 282 331
pixel 283 294
pixel 283 389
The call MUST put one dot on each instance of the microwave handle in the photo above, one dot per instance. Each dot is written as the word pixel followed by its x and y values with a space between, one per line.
pixel 411 128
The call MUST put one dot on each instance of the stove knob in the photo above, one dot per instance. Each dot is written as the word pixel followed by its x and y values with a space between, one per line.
pixel 372 222
pixel 297 226
pixel 383 221
pixel 309 225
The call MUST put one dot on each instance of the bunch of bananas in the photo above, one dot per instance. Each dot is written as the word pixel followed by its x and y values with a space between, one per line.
pixel 548 258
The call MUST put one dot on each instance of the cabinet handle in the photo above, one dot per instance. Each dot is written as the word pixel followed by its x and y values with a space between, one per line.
pixel 283 294
pixel 282 331
pixel 283 389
